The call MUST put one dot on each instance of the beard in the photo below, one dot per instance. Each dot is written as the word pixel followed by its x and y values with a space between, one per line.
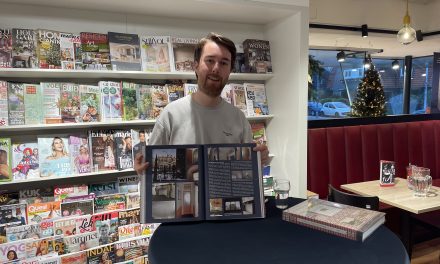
pixel 212 88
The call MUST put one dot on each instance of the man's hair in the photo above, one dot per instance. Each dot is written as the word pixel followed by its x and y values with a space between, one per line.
pixel 220 40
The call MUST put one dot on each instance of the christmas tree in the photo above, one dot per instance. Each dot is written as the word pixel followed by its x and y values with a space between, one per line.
pixel 370 97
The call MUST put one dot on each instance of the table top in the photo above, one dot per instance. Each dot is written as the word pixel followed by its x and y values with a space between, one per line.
pixel 398 195
pixel 269 240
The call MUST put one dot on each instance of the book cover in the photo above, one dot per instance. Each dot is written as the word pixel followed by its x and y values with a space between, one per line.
pixel 145 101
pixel 103 150
pixel 25 164
pixel 90 98
pixel 38 212
pixel 13 214
pixel 107 226
pixel 239 96
pixel 104 188
pixel 259 132
pixel 128 184
pixel 21 232
pixel 77 208
pixel 183 52
pixel 156 53
pixel 175 91
pixel 387 173
pixel 5 160
pixel 37 195
pixel 111 101
pixel 74 258
pixel 256 100
pixel 338 219
pixel 81 242
pixel 132 200
pixel 67 51
pixel 257 55
pixel 4 120
pixel 48 49
pixel 70 103
pixel 16 104
pixel 13 250
pixel 159 99
pixel 140 140
pixel 229 173
pixel 129 101
pixel 24 48
pixel 129 216
pixel 189 88
pixel 33 104
pixel 5 48
pixel 101 255
pixel 125 51
pixel 95 51
pixel 109 202
pixel 124 149
pixel 54 156
pixel 51 102
pixel 80 158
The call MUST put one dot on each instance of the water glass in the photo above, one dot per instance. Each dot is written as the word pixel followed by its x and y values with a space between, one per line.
pixel 281 188
pixel 421 185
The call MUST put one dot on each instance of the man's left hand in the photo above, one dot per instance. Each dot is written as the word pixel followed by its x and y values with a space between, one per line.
pixel 264 154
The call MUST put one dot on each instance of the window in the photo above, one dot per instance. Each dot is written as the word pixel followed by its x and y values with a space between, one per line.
pixel 421 85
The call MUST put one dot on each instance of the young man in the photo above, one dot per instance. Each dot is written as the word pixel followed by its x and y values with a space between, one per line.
pixel 204 117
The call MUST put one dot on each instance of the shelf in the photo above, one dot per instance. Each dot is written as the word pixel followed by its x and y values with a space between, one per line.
pixel 260 118
pixel 82 74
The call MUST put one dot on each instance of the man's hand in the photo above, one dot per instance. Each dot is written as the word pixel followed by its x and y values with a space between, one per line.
pixel 264 154
pixel 139 165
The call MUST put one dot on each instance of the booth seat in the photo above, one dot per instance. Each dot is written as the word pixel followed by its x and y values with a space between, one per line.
pixel 347 154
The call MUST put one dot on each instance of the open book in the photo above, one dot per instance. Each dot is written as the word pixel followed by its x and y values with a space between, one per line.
pixel 201 182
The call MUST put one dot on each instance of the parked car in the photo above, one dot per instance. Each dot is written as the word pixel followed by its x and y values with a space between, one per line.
pixel 314 108
pixel 336 109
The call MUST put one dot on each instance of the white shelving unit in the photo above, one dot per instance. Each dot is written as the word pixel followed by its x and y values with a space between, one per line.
pixel 283 22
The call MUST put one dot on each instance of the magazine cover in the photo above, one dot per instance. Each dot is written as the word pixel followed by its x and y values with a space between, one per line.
pixel 69 103
pixel 74 258
pixel 259 132
pixel 51 102
pixel 80 198
pixel 78 51
pixel 145 102
pixel 100 255
pixel 125 51
pixel 25 164
pixel 103 150
pixel 104 188
pixel 129 231
pixel 95 51
pixel 128 249
pixel 39 247
pixel 109 202
pixel 13 250
pixel 16 103
pixel 124 149
pixel 256 100
pixel 189 88
pixel 227 94
pixel 257 55
pixel 156 53
pixel 175 91
pixel 21 232
pixel 140 140
pixel 81 242
pixel 5 160
pixel 90 98
pixel 8 198
pixel 13 214
pixel 46 228
pixel 48 49
pixel 132 200
pixel 4 120
pixel 5 48
pixel 159 99
pixel 128 184
pixel 84 224
pixel 130 109
pixel 183 51
pixel 111 101
pixel 67 51
pixel 33 102
pixel 130 216
pixel 65 226
pixel 38 212
pixel 81 161
pixel 84 207
pixel 107 226
pixel 239 97
pixel 54 157
pixel 38 195
pixel 24 48
pixel 240 62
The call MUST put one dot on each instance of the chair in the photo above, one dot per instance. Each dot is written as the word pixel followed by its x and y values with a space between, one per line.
pixel 368 202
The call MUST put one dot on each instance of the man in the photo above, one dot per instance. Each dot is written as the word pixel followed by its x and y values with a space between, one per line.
pixel 204 117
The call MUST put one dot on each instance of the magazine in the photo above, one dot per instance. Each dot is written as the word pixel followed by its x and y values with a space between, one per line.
pixel 128 184
pixel 124 51
pixel 129 101
pixel 38 195
pixel 107 226
pixel 196 182
pixel 74 258
pixel 156 53
pixel 101 255
pixel 81 242
pixel 110 202
pixel 77 208
pixel 5 159
pixel 25 163
pixel 5 48
pixel 4 119
pixel 54 156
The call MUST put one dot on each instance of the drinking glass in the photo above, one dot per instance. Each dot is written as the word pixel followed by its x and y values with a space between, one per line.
pixel 281 188
pixel 421 185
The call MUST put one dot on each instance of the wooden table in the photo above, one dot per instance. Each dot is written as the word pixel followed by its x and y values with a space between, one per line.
pixel 401 197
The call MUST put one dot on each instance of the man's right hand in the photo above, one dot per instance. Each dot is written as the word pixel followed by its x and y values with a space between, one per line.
pixel 139 165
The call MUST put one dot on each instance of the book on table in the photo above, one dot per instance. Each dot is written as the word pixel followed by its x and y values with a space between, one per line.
pixel 338 219
pixel 201 182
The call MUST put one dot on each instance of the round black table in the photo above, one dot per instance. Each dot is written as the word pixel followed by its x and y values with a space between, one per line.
pixel 269 241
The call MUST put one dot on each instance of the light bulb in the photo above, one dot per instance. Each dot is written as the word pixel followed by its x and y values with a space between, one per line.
pixel 406 35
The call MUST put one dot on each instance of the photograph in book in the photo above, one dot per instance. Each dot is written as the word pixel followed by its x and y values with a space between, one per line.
pixel 189 88
pixel 48 49
pixel 65 226
pixel 129 101
pixel 337 219
pixel 103 150
pixel 95 51
pixel 69 103
pixel 14 250
pixel 5 160
pixel 90 98
pixel 5 48
pixel 54 156
pixel 39 247
pixel 129 231
pixel 387 173
pixel 156 53
pixel 159 98
pixel 257 55
pixel 127 250
pixel 13 214
pixel 25 164
pixel 64 192
pixel 144 97
pixel 81 161
pixel 84 207
pixel 101 255
pixel 256 100
pixel 130 216
pixel 128 184
pixel 196 182
pixel 239 97
pixel 183 51
pixel 140 140
pixel 125 51
pixel 16 103
pixel 37 195
pixel 109 202
pixel 38 212
pixel 124 149
pixel 175 91
pixel 81 242
pixel 21 232
pixel 107 226
pixel 132 200
pixel 67 51
pixel 74 258
pixel 33 100
pixel 51 102
pixel 104 188
pixel 4 120
pixel 24 48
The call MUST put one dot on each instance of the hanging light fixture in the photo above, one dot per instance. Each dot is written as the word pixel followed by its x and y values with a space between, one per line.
pixel 407 34
pixel 395 65
pixel 364 30
pixel 340 56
